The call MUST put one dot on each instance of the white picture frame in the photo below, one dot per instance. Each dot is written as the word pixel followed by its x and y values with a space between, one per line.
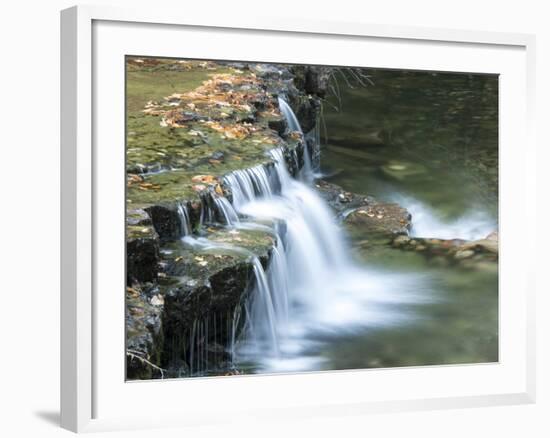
pixel 85 387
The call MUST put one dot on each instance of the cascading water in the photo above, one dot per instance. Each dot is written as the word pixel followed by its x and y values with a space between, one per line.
pixel 311 288
pixel 428 224
pixel 225 208
pixel 294 125
pixel 314 286
pixel 185 223
pixel 266 307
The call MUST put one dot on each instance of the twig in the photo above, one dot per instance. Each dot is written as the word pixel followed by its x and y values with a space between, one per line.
pixel 133 354
pixel 343 74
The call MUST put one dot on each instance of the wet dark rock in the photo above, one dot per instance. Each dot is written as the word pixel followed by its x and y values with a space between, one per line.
pixel 142 257
pixel 312 79
pixel 210 304
pixel 166 220
pixel 177 369
pixel 341 200
pixel 142 248
pixel 278 125
pixel 307 109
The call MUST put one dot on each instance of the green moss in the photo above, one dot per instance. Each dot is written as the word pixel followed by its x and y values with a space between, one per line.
pixel 146 83
pixel 258 242
pixel 168 157
pixel 199 264
pixel 140 232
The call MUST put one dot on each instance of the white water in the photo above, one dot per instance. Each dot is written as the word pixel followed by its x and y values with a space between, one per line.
pixel 185 224
pixel 428 224
pixel 312 289
pixel 226 210
pixel 294 125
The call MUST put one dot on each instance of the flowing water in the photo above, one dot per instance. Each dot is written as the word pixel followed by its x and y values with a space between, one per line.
pixel 428 141
pixel 313 289
pixel 307 172
pixel 324 304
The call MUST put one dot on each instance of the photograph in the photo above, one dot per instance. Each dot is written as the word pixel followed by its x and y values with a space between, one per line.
pixel 291 218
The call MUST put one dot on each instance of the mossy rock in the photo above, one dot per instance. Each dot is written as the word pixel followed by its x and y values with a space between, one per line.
pixel 379 221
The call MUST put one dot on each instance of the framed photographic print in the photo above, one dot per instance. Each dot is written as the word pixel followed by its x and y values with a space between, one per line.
pixel 330 210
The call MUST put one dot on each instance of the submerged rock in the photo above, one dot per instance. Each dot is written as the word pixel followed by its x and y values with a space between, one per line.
pixel 362 139
pixel 401 170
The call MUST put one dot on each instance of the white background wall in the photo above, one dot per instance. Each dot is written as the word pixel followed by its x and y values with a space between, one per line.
pixel 29 215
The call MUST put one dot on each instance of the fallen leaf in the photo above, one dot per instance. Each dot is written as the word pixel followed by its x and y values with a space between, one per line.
pixel 208 179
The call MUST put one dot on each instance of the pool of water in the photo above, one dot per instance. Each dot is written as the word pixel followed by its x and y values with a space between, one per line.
pixel 427 137
pixel 428 141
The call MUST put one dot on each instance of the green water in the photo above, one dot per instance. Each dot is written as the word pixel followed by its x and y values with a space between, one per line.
pixel 437 135
pixel 431 141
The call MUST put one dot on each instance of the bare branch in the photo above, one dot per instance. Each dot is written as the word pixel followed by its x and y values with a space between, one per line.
pixel 134 354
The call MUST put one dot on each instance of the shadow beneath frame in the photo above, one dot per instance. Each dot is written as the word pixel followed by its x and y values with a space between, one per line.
pixel 51 417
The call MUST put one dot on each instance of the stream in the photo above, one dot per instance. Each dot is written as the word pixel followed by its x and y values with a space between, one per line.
pixel 435 153
pixel 393 308
pixel 326 303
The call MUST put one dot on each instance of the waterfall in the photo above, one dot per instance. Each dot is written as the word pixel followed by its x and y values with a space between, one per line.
pixel 309 247
pixel 226 210
pixel 214 208
pixel 185 223
pixel 311 288
pixel 294 125
pixel 247 184
pixel 263 308
pixel 267 308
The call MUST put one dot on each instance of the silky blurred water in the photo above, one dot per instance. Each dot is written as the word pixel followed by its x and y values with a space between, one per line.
pixel 429 142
